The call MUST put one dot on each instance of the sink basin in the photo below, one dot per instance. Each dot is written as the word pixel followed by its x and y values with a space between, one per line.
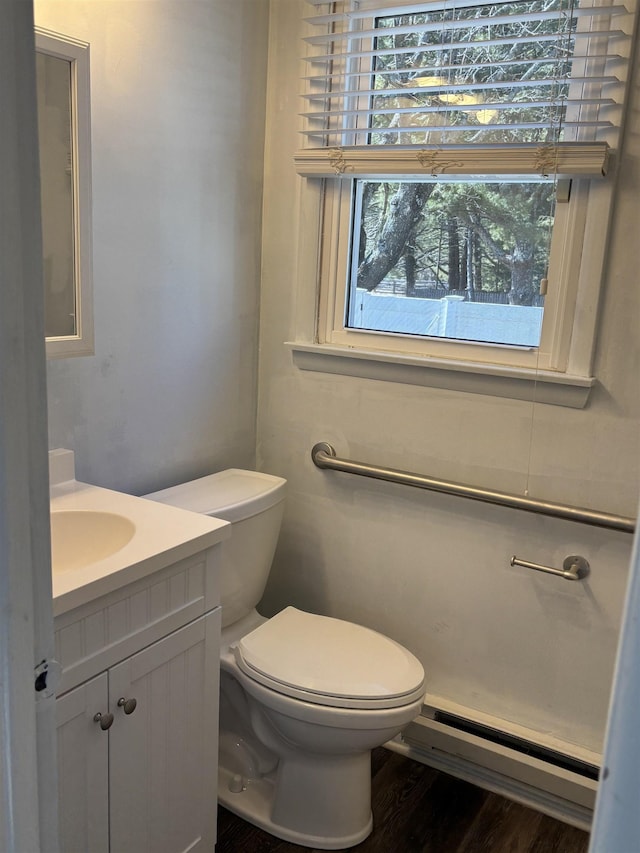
pixel 82 537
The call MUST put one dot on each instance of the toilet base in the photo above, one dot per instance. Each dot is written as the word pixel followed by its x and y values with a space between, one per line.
pixel 253 800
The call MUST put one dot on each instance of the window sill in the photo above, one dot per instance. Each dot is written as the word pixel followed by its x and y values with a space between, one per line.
pixel 517 383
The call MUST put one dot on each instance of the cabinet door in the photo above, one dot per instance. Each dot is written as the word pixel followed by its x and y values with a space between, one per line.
pixel 164 753
pixel 83 756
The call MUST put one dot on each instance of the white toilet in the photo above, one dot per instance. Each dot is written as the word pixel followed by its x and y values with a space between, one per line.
pixel 303 698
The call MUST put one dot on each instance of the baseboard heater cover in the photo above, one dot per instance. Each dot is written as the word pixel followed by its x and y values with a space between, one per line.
pixel 518 744
pixel 510 764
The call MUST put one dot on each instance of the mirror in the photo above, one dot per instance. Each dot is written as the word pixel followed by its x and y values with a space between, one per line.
pixel 62 80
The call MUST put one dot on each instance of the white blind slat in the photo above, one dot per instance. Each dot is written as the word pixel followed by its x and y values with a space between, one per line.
pixel 576 57
pixel 444 88
pixel 469 108
pixel 465 23
pixel 436 48
pixel 364 12
pixel 431 130
pixel 476 72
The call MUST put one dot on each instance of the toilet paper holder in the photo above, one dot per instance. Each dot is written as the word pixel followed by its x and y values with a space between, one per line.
pixel 574 567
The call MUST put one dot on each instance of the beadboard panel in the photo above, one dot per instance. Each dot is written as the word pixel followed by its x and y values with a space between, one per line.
pixel 165 749
pixel 96 636
pixel 83 756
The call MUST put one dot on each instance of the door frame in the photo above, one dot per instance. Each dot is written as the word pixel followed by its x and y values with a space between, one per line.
pixel 616 824
pixel 28 809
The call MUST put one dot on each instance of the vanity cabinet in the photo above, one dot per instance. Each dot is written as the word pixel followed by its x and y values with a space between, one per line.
pixel 137 740
pixel 83 769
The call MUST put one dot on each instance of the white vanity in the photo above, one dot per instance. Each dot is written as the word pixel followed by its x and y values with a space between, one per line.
pixel 137 634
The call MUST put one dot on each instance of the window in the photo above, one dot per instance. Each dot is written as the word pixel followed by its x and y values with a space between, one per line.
pixel 456 260
pixel 463 148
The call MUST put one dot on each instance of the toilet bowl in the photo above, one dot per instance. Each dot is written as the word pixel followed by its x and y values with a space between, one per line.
pixel 304 698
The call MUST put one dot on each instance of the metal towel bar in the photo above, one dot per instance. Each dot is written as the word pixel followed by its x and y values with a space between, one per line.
pixel 324 456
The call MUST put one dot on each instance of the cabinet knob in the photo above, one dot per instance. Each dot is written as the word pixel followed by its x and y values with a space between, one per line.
pixel 105 720
pixel 127 705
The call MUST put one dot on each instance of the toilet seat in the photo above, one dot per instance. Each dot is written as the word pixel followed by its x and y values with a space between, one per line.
pixel 329 662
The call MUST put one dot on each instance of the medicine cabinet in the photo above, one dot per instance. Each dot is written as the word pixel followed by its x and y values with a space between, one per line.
pixel 62 80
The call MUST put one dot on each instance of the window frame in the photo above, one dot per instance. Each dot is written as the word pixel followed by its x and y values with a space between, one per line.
pixel 560 301
pixel 559 371
pixel 77 54
pixel 314 350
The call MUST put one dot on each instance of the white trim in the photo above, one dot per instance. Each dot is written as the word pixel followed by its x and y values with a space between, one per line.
pixel 569 321
pixel 28 807
pixel 77 54
pixel 516 383
pixel 617 819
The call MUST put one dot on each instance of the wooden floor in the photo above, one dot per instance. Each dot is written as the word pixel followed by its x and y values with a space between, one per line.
pixel 418 810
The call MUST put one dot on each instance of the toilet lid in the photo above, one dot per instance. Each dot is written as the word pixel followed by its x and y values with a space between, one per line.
pixel 330 662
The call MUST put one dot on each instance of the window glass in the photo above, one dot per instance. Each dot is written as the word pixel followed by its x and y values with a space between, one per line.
pixel 459 260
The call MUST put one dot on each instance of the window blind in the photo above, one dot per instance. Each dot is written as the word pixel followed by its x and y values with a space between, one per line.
pixel 525 86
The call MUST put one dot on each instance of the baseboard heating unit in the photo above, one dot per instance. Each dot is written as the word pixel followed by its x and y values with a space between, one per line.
pixel 541 772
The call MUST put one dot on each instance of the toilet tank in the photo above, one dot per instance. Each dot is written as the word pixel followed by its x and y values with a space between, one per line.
pixel 253 503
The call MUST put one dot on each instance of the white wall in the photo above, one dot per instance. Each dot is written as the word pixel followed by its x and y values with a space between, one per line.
pixel 177 92
pixel 431 570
